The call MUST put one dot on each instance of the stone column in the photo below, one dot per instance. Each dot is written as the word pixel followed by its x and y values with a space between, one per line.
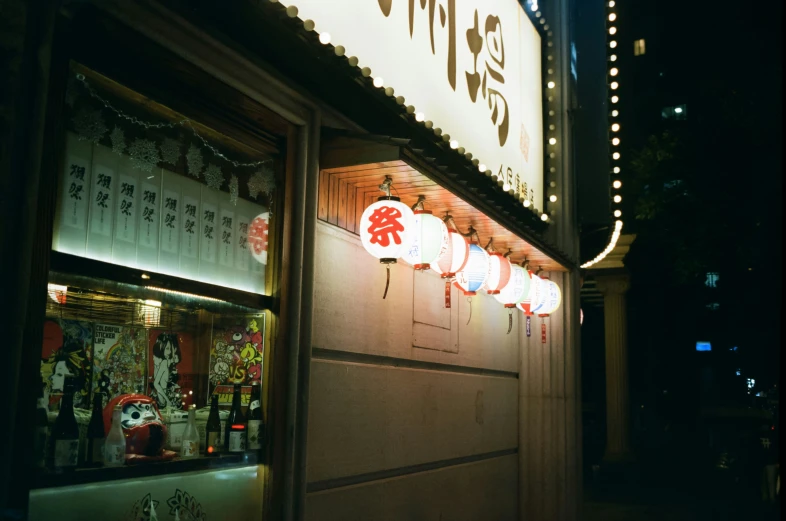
pixel 613 288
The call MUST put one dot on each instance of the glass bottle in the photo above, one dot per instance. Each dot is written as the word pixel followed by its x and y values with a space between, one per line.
pixel 41 430
pixel 189 447
pixel 115 444
pixel 96 436
pixel 255 423
pixel 213 429
pixel 235 432
pixel 65 432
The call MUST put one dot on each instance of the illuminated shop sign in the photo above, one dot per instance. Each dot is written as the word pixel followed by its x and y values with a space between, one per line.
pixel 471 67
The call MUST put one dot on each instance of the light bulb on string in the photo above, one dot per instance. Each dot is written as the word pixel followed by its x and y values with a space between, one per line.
pixel 615 127
pixel 617 184
pixel 324 38
pixel 617 198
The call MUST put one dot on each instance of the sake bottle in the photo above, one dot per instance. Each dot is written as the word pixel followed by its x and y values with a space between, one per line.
pixel 189 448
pixel 115 444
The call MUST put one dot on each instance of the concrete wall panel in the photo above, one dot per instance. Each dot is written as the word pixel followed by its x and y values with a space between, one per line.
pixel 485 490
pixel 365 418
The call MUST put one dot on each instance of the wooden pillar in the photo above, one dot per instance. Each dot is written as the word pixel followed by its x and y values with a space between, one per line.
pixel 613 288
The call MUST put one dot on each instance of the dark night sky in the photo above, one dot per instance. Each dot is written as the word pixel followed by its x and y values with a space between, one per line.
pixel 703 54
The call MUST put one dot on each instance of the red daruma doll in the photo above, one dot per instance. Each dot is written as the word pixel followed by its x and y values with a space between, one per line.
pixel 142 425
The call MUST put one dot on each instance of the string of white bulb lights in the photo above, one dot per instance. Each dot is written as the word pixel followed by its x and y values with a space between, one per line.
pixel 613 79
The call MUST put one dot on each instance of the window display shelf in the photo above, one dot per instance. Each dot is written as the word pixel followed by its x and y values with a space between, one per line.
pixel 50 479
pixel 147 282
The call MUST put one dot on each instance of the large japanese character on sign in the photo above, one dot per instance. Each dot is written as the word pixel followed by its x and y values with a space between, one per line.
pixel 495 65
pixel 446 16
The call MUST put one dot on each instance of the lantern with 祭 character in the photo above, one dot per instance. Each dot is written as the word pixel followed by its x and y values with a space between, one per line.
pixel 386 229
pixel 142 425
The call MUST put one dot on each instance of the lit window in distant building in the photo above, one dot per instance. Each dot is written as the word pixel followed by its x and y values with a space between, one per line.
pixel 714 306
pixel 739 373
pixel 712 279
pixel 639 47
pixel 678 112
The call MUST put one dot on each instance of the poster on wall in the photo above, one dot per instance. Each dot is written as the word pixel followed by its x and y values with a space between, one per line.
pixel 236 356
pixel 66 351
pixel 118 360
pixel 170 368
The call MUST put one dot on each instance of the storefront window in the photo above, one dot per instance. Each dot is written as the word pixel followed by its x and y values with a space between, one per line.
pixel 157 323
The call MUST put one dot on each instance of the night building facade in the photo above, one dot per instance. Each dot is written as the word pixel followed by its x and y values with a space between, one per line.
pixel 189 184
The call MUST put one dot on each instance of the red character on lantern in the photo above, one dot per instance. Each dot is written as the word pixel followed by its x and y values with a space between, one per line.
pixel 385 224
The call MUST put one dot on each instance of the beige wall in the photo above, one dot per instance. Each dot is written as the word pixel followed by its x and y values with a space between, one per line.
pixel 414 414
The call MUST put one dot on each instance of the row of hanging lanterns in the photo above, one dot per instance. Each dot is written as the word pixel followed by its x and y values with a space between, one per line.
pixel 390 230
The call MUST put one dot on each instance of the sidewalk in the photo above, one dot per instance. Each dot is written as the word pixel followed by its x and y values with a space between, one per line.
pixel 640 503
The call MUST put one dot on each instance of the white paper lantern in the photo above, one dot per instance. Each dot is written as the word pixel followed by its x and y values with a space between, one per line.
pixel 386 229
pixel 258 237
pixel 550 299
pixel 533 296
pixel 454 258
pixel 499 273
pixel 429 240
pixel 474 274
pixel 516 288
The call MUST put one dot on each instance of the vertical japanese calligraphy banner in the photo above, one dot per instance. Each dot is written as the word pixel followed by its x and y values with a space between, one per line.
pixel 126 213
pixel 472 67
pixel 209 232
pixel 71 232
pixel 189 228
pixel 159 220
pixel 149 221
pixel 104 184
pixel 169 237
pixel 226 244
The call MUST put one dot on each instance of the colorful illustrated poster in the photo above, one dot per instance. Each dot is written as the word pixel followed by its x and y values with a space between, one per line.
pixel 66 351
pixel 170 367
pixel 118 360
pixel 236 356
